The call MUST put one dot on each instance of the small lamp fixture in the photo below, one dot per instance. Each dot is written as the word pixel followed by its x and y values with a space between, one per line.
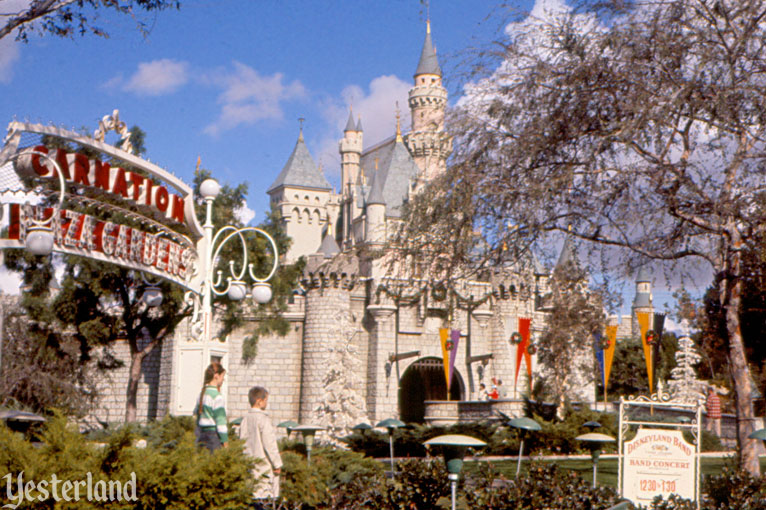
pixel 308 432
pixel 288 425
pixel 152 296
pixel 362 427
pixel 524 425
pixel 453 448
pixel 39 240
pixel 591 425
pixel 209 189
pixel 758 434
pixel 237 291
pixel 261 292
pixel 594 441
pixel 390 424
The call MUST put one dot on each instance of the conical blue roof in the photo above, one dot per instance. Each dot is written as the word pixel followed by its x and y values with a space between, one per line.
pixel 300 170
pixel 643 275
pixel 350 126
pixel 329 247
pixel 428 63
pixel 394 174
pixel 359 124
pixel 568 254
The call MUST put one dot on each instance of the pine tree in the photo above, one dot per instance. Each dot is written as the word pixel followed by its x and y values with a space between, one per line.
pixel 685 386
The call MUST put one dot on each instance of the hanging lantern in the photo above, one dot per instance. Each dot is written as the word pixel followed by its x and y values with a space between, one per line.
pixel 516 338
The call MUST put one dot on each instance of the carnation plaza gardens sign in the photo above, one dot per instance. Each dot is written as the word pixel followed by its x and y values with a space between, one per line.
pixel 658 460
pixel 118 208
pixel 158 231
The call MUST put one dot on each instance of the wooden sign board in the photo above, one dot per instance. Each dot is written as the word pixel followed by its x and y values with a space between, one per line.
pixel 658 462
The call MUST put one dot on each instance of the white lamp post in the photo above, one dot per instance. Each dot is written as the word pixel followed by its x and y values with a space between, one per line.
pixel 39 236
pixel 234 285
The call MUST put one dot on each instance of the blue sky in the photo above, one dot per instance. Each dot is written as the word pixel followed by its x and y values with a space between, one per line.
pixel 227 80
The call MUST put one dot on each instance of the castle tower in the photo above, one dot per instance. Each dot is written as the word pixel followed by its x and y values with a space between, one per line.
pixel 427 142
pixel 301 193
pixel 350 148
pixel 643 300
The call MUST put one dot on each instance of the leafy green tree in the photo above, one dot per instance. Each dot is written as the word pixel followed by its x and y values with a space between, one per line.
pixel 66 18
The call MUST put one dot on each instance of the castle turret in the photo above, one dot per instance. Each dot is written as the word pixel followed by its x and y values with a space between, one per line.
pixel 301 193
pixel 643 300
pixel 375 214
pixel 350 148
pixel 427 142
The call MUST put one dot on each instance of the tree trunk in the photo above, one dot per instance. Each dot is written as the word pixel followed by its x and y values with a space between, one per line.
pixel 731 297
pixel 136 359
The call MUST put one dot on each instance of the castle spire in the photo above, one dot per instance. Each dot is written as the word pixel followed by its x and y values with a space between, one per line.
pixel 428 63
pixel 398 125
pixel 350 126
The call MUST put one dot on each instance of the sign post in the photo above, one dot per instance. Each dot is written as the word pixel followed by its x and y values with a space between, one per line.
pixel 658 460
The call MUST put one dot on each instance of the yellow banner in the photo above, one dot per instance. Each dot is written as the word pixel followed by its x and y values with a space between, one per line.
pixel 611 336
pixel 643 326
pixel 444 336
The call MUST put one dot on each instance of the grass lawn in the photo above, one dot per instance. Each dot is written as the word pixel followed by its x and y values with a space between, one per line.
pixel 607 468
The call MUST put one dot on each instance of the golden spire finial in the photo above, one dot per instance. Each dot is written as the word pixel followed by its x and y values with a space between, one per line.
pixel 199 162
pixel 398 126
pixel 428 26
pixel 301 120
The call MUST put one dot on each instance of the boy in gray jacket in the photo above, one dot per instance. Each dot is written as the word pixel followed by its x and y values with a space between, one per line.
pixel 261 443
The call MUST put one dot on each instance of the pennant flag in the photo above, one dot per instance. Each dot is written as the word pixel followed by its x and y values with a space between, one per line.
pixel 521 349
pixel 444 336
pixel 643 326
pixel 598 346
pixel 455 338
pixel 659 324
pixel 611 337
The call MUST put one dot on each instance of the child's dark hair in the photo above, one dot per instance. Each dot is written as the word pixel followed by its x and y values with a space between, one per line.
pixel 213 369
pixel 256 393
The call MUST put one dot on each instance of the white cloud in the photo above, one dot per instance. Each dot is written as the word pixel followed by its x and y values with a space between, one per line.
pixel 9 54
pixel 157 77
pixel 377 108
pixel 248 97
pixel 244 213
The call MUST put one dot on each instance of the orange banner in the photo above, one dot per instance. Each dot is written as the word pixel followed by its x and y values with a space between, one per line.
pixel 643 326
pixel 444 336
pixel 611 336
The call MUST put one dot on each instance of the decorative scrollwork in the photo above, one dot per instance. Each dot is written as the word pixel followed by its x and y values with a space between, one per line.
pixel 113 123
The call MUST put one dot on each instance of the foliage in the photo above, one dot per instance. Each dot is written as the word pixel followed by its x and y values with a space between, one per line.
pixel 65 19
pixel 546 486
pixel 566 348
pixel 174 475
pixel 332 480
pixel 734 489
pixel 628 376
pixel 41 370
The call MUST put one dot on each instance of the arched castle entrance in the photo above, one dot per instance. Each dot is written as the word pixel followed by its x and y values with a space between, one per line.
pixel 424 380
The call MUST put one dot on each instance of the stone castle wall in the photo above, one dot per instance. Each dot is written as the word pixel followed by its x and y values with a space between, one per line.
pixel 113 385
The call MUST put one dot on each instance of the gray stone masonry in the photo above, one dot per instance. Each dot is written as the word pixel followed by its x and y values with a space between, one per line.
pixel 113 386
pixel 323 306
pixel 275 367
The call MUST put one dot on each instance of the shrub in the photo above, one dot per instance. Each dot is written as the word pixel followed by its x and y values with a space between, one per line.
pixel 334 477
pixel 546 486
pixel 734 489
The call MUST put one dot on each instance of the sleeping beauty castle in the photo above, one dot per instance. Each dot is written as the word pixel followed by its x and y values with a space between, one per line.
pixel 364 345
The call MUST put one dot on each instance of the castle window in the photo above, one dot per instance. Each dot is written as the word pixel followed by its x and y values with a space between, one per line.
pixel 308 216
pixel 296 214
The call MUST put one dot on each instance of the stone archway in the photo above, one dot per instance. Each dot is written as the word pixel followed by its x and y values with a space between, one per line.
pixel 424 380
